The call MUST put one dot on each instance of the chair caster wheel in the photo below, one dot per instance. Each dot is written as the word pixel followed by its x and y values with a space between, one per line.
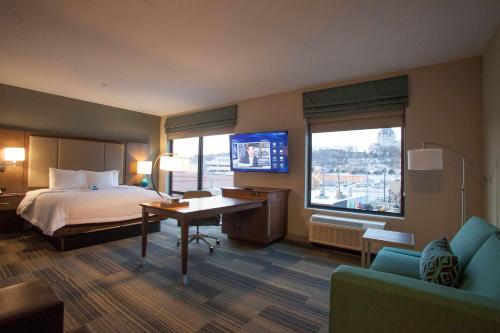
pixel 178 243
pixel 217 241
pixel 211 249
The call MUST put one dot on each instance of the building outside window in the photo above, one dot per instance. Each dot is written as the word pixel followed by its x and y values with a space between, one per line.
pixel 182 181
pixel 357 170
pixel 216 163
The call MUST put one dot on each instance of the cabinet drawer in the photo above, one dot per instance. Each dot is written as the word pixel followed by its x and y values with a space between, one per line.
pixel 9 202
pixel 244 194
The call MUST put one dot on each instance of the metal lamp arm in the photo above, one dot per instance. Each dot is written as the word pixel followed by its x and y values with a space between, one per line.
pixel 425 143
pixel 462 156
pixel 153 174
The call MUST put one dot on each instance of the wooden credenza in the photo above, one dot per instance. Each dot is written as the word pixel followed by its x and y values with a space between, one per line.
pixel 261 225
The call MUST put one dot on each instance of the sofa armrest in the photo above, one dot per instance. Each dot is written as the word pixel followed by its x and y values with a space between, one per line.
pixel 364 300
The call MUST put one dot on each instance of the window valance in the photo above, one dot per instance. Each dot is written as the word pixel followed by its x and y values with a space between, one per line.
pixel 203 121
pixel 379 95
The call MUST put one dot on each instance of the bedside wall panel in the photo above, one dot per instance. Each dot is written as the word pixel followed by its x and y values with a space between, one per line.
pixel 114 157
pixel 42 155
pixel 135 152
pixel 12 178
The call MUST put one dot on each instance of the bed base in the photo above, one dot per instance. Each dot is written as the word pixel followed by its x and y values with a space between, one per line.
pixel 100 236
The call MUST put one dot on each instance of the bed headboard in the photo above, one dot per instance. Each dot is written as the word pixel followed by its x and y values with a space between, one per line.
pixel 71 154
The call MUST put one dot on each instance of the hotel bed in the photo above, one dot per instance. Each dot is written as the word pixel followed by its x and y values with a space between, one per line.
pixel 61 205
pixel 62 212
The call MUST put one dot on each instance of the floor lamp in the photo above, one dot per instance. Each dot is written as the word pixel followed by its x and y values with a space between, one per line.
pixel 432 159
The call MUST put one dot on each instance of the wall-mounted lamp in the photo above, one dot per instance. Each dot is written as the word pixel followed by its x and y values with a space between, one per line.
pixel 12 155
pixel 144 168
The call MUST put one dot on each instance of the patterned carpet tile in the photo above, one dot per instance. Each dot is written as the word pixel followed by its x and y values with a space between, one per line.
pixel 292 320
pixel 238 288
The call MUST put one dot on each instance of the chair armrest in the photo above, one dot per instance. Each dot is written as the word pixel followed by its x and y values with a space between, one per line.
pixel 365 300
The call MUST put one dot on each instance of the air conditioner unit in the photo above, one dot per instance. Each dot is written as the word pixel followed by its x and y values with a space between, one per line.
pixel 339 231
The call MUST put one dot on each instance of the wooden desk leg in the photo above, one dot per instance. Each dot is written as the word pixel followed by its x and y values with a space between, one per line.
pixel 144 228
pixel 368 253
pixel 184 250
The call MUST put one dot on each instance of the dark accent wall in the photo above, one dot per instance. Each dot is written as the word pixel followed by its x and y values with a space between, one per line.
pixel 24 109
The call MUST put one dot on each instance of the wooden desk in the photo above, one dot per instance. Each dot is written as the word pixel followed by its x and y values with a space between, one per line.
pixel 260 226
pixel 384 237
pixel 198 208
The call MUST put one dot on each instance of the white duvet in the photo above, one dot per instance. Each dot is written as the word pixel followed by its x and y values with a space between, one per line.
pixel 50 210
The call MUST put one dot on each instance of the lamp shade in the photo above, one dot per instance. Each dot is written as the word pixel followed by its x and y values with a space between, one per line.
pixel 14 154
pixel 425 159
pixel 173 163
pixel 144 167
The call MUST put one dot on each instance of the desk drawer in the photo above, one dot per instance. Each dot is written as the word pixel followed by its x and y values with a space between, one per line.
pixel 9 202
pixel 245 194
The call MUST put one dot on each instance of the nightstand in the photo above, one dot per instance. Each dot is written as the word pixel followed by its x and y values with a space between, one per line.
pixel 9 221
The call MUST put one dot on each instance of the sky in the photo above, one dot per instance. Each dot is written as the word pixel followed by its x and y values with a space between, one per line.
pixel 214 144
pixel 361 139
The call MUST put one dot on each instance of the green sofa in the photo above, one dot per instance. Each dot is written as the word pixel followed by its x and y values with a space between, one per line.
pixel 391 297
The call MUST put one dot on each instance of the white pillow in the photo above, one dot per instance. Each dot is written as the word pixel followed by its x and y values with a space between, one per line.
pixel 103 179
pixel 60 179
pixel 116 175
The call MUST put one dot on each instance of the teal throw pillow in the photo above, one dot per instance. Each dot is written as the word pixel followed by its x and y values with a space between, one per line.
pixel 438 264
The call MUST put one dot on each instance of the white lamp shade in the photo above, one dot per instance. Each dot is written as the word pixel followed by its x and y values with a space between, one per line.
pixel 14 154
pixel 144 167
pixel 425 159
pixel 173 163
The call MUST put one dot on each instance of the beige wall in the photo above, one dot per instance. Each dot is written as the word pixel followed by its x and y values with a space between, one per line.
pixel 491 121
pixel 445 106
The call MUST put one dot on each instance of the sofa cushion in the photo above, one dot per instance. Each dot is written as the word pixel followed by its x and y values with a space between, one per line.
pixel 408 252
pixel 438 264
pixel 396 263
pixel 470 238
pixel 482 274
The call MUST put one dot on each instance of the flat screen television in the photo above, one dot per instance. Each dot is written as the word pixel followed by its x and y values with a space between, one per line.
pixel 259 152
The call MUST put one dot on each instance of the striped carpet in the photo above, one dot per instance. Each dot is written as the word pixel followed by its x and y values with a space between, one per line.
pixel 238 288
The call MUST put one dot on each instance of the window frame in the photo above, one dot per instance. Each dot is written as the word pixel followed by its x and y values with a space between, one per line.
pixel 310 205
pixel 170 147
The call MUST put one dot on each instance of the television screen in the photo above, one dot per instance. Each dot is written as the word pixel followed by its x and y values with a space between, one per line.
pixel 264 152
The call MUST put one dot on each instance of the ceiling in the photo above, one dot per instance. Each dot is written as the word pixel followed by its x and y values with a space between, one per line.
pixel 162 57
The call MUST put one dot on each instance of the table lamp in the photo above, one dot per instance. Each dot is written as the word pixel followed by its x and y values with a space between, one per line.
pixel 169 162
pixel 144 168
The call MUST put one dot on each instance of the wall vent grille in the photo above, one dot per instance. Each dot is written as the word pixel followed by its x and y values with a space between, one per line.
pixel 340 232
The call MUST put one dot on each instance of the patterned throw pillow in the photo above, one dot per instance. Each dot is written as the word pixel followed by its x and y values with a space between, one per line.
pixel 438 264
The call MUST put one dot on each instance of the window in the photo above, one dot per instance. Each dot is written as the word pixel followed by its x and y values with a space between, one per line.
pixel 357 170
pixel 182 181
pixel 216 164
pixel 209 164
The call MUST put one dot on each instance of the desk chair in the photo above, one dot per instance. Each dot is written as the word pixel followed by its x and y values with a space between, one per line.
pixel 211 221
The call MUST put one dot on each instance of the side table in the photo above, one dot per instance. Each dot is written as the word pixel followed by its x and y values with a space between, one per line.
pixel 9 221
pixel 383 237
